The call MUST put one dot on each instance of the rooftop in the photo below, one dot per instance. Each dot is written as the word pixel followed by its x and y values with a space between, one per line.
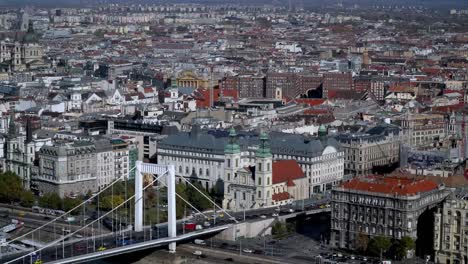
pixel 390 185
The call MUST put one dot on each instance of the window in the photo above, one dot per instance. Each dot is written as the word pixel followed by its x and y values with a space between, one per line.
pixel 259 194
pixel 229 177
pixel 229 163
pixel 259 181
pixel 237 163
pixel 268 166
pixel 207 172
pixel 268 180
pixel 180 169
pixel 200 171
pixel 243 196
pixel 259 166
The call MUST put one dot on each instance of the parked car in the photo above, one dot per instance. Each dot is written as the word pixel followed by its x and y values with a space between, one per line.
pixel 247 250
pixel 199 242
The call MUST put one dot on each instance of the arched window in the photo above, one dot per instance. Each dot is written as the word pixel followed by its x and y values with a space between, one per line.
pixel 259 166
pixel 268 166
pixel 259 181
pixel 268 180
pixel 200 171
pixel 180 169
pixel 207 172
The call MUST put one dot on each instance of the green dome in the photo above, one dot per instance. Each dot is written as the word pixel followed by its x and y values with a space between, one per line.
pixel 322 131
pixel 232 147
pixel 30 36
pixel 264 148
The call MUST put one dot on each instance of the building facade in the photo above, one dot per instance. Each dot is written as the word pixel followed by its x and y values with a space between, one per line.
pixel 68 169
pixel 199 155
pixel 378 146
pixel 380 206
pixel 451 232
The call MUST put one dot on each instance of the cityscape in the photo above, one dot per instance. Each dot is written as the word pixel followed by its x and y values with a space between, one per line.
pixel 211 131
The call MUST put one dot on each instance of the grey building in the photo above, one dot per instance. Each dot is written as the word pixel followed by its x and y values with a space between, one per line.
pixel 382 206
pixel 68 168
pixel 378 146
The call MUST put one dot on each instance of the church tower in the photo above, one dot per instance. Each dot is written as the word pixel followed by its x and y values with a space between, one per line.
pixel 263 172
pixel 232 163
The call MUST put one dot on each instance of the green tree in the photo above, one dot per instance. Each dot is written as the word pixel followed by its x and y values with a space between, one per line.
pixel 400 247
pixel 50 200
pixel 181 190
pixel 378 245
pixel 197 199
pixel 109 202
pixel 70 203
pixel 11 187
pixel 27 199
pixel 279 230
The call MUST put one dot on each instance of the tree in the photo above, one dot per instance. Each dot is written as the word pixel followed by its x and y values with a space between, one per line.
pixel 70 203
pixel 279 230
pixel 400 247
pixel 109 202
pixel 362 241
pixel 51 201
pixel 27 199
pixel 197 199
pixel 11 187
pixel 378 245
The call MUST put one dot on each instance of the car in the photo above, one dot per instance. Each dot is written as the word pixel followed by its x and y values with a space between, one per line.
pixel 199 242
pixel 101 248
pixel 247 250
pixel 277 209
pixel 197 253
pixel 229 259
pixel 364 259
pixel 353 257
pixel 291 210
pixel 340 255
pixel 206 224
pixel 263 216
pixel 257 251
pixel 80 247
pixel 274 215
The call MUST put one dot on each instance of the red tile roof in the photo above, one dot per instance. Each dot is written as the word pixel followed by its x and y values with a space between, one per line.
pixel 286 171
pixel 310 101
pixel 390 185
pixel 280 196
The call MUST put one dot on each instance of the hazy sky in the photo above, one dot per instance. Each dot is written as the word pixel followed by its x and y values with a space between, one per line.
pixel 432 3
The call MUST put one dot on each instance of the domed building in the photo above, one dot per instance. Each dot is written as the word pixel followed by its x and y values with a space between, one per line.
pixel 22 54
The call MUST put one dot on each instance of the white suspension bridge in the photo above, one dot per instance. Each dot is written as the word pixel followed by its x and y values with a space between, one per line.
pixel 88 242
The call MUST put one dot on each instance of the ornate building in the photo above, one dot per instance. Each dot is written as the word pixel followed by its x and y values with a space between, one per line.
pixel 383 206
pixel 21 54
pixel 190 79
pixel 263 182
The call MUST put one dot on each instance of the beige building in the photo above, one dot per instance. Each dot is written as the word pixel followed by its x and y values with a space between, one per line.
pixel 424 129
pixel 378 146
pixel 190 79
pixel 451 232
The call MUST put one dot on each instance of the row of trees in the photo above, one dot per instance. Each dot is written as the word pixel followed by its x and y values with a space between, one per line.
pixel 385 246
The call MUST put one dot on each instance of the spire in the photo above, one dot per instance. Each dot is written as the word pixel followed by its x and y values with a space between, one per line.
pixel 28 131
pixel 12 126
pixel 264 148
pixel 232 147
